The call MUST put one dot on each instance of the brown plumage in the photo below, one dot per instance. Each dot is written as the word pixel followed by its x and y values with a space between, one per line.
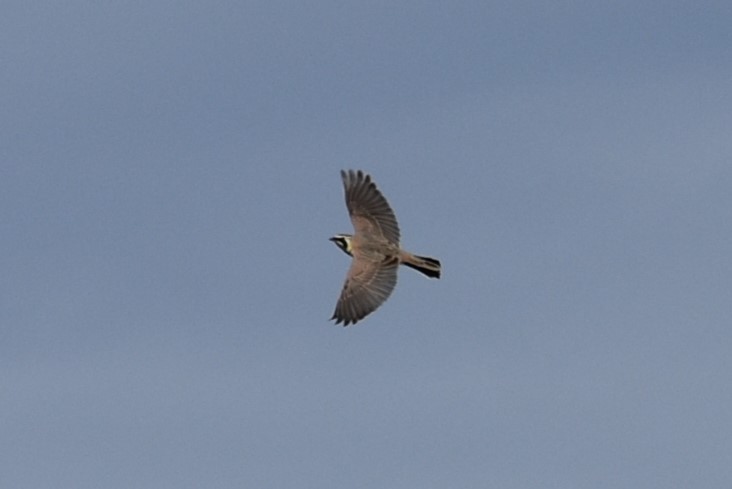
pixel 375 249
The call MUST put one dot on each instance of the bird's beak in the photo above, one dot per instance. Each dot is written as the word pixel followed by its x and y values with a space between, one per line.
pixel 331 238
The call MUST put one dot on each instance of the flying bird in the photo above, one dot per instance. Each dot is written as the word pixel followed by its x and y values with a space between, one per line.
pixel 375 249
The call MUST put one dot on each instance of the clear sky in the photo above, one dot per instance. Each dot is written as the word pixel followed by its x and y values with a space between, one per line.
pixel 169 176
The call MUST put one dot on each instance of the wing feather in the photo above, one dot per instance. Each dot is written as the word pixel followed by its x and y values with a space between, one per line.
pixel 367 286
pixel 370 212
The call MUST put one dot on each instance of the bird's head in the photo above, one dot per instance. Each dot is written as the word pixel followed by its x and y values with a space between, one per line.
pixel 344 242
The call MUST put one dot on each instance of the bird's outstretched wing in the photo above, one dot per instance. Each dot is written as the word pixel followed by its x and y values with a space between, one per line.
pixel 370 212
pixel 367 286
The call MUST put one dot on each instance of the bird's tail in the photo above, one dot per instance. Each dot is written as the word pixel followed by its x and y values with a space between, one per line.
pixel 429 266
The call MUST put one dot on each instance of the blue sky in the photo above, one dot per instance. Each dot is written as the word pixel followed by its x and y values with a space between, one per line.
pixel 169 179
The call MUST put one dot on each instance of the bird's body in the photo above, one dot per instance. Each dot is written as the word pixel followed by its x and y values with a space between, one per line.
pixel 375 250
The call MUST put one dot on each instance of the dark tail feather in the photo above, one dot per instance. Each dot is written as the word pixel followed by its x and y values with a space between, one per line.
pixel 428 266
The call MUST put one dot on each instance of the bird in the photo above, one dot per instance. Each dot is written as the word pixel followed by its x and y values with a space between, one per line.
pixel 375 250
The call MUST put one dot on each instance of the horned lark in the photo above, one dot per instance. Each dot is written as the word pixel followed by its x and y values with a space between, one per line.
pixel 375 250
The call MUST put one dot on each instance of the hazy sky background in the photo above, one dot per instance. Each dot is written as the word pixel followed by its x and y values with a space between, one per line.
pixel 169 176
